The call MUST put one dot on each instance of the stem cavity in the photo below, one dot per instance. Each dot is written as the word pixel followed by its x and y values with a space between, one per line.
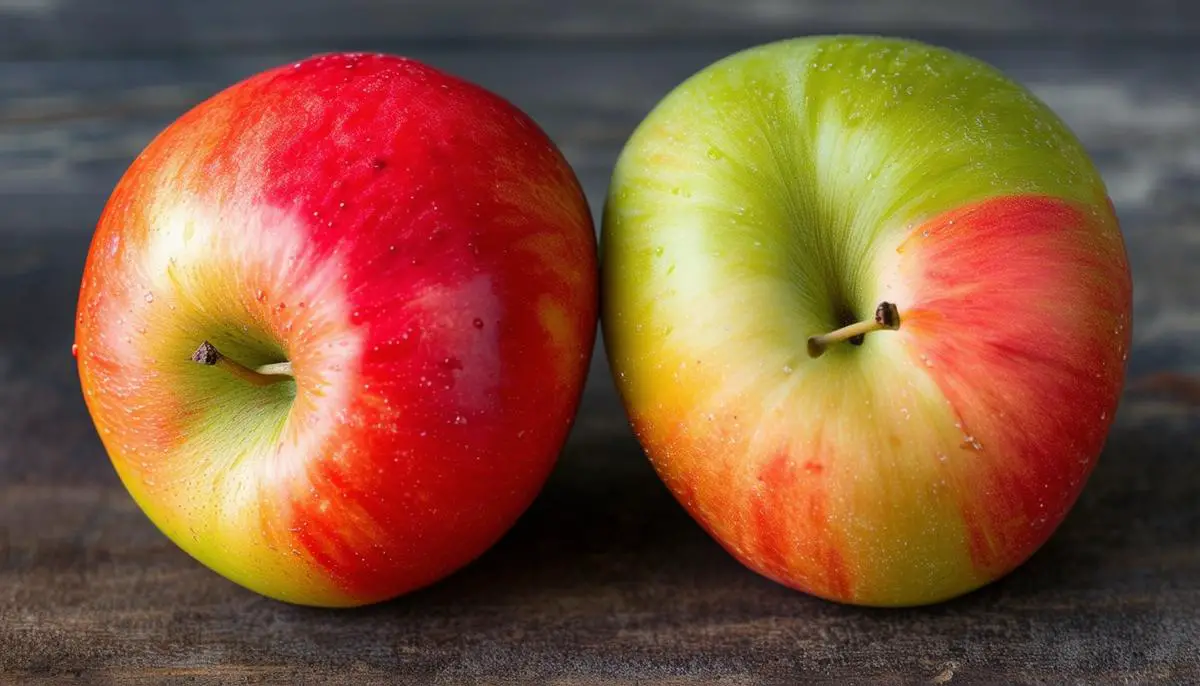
pixel 208 355
pixel 887 317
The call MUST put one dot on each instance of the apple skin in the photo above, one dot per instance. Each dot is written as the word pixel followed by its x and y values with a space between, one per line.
pixel 422 254
pixel 787 190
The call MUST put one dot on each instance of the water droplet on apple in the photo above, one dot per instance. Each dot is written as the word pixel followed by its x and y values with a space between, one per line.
pixel 675 191
pixel 460 420
pixel 1103 416
pixel 477 323
pixel 149 297
pixel 714 154
pixel 658 251
pixel 787 369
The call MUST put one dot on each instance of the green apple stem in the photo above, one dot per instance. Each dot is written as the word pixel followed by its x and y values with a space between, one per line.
pixel 267 374
pixel 887 316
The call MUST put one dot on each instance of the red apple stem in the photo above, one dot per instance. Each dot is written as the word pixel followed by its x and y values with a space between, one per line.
pixel 887 317
pixel 207 354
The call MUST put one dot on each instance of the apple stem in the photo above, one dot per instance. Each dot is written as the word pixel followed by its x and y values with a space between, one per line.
pixel 887 316
pixel 207 354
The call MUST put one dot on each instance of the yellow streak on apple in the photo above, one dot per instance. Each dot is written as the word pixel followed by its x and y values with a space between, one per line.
pixel 219 475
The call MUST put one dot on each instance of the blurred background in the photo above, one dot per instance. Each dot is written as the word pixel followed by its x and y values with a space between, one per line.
pixel 84 85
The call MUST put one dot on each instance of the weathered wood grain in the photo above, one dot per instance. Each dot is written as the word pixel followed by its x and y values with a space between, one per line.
pixel 605 579
pixel 40 28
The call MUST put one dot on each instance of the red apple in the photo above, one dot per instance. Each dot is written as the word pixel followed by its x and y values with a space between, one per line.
pixel 395 273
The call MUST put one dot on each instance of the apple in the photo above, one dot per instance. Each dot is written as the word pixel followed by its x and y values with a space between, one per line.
pixel 388 275
pixel 867 305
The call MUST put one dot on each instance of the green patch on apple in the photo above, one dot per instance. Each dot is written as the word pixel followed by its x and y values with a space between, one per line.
pixel 867 304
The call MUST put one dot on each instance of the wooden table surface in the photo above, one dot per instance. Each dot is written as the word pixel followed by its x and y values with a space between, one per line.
pixel 605 578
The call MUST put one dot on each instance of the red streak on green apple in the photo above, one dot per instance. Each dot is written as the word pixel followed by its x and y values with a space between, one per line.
pixel 1062 365
pixel 808 518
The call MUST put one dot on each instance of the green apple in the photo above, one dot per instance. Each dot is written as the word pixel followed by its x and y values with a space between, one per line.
pixel 867 304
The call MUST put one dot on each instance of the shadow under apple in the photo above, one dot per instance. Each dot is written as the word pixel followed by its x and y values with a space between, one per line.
pixel 605 534
pixel 607 574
